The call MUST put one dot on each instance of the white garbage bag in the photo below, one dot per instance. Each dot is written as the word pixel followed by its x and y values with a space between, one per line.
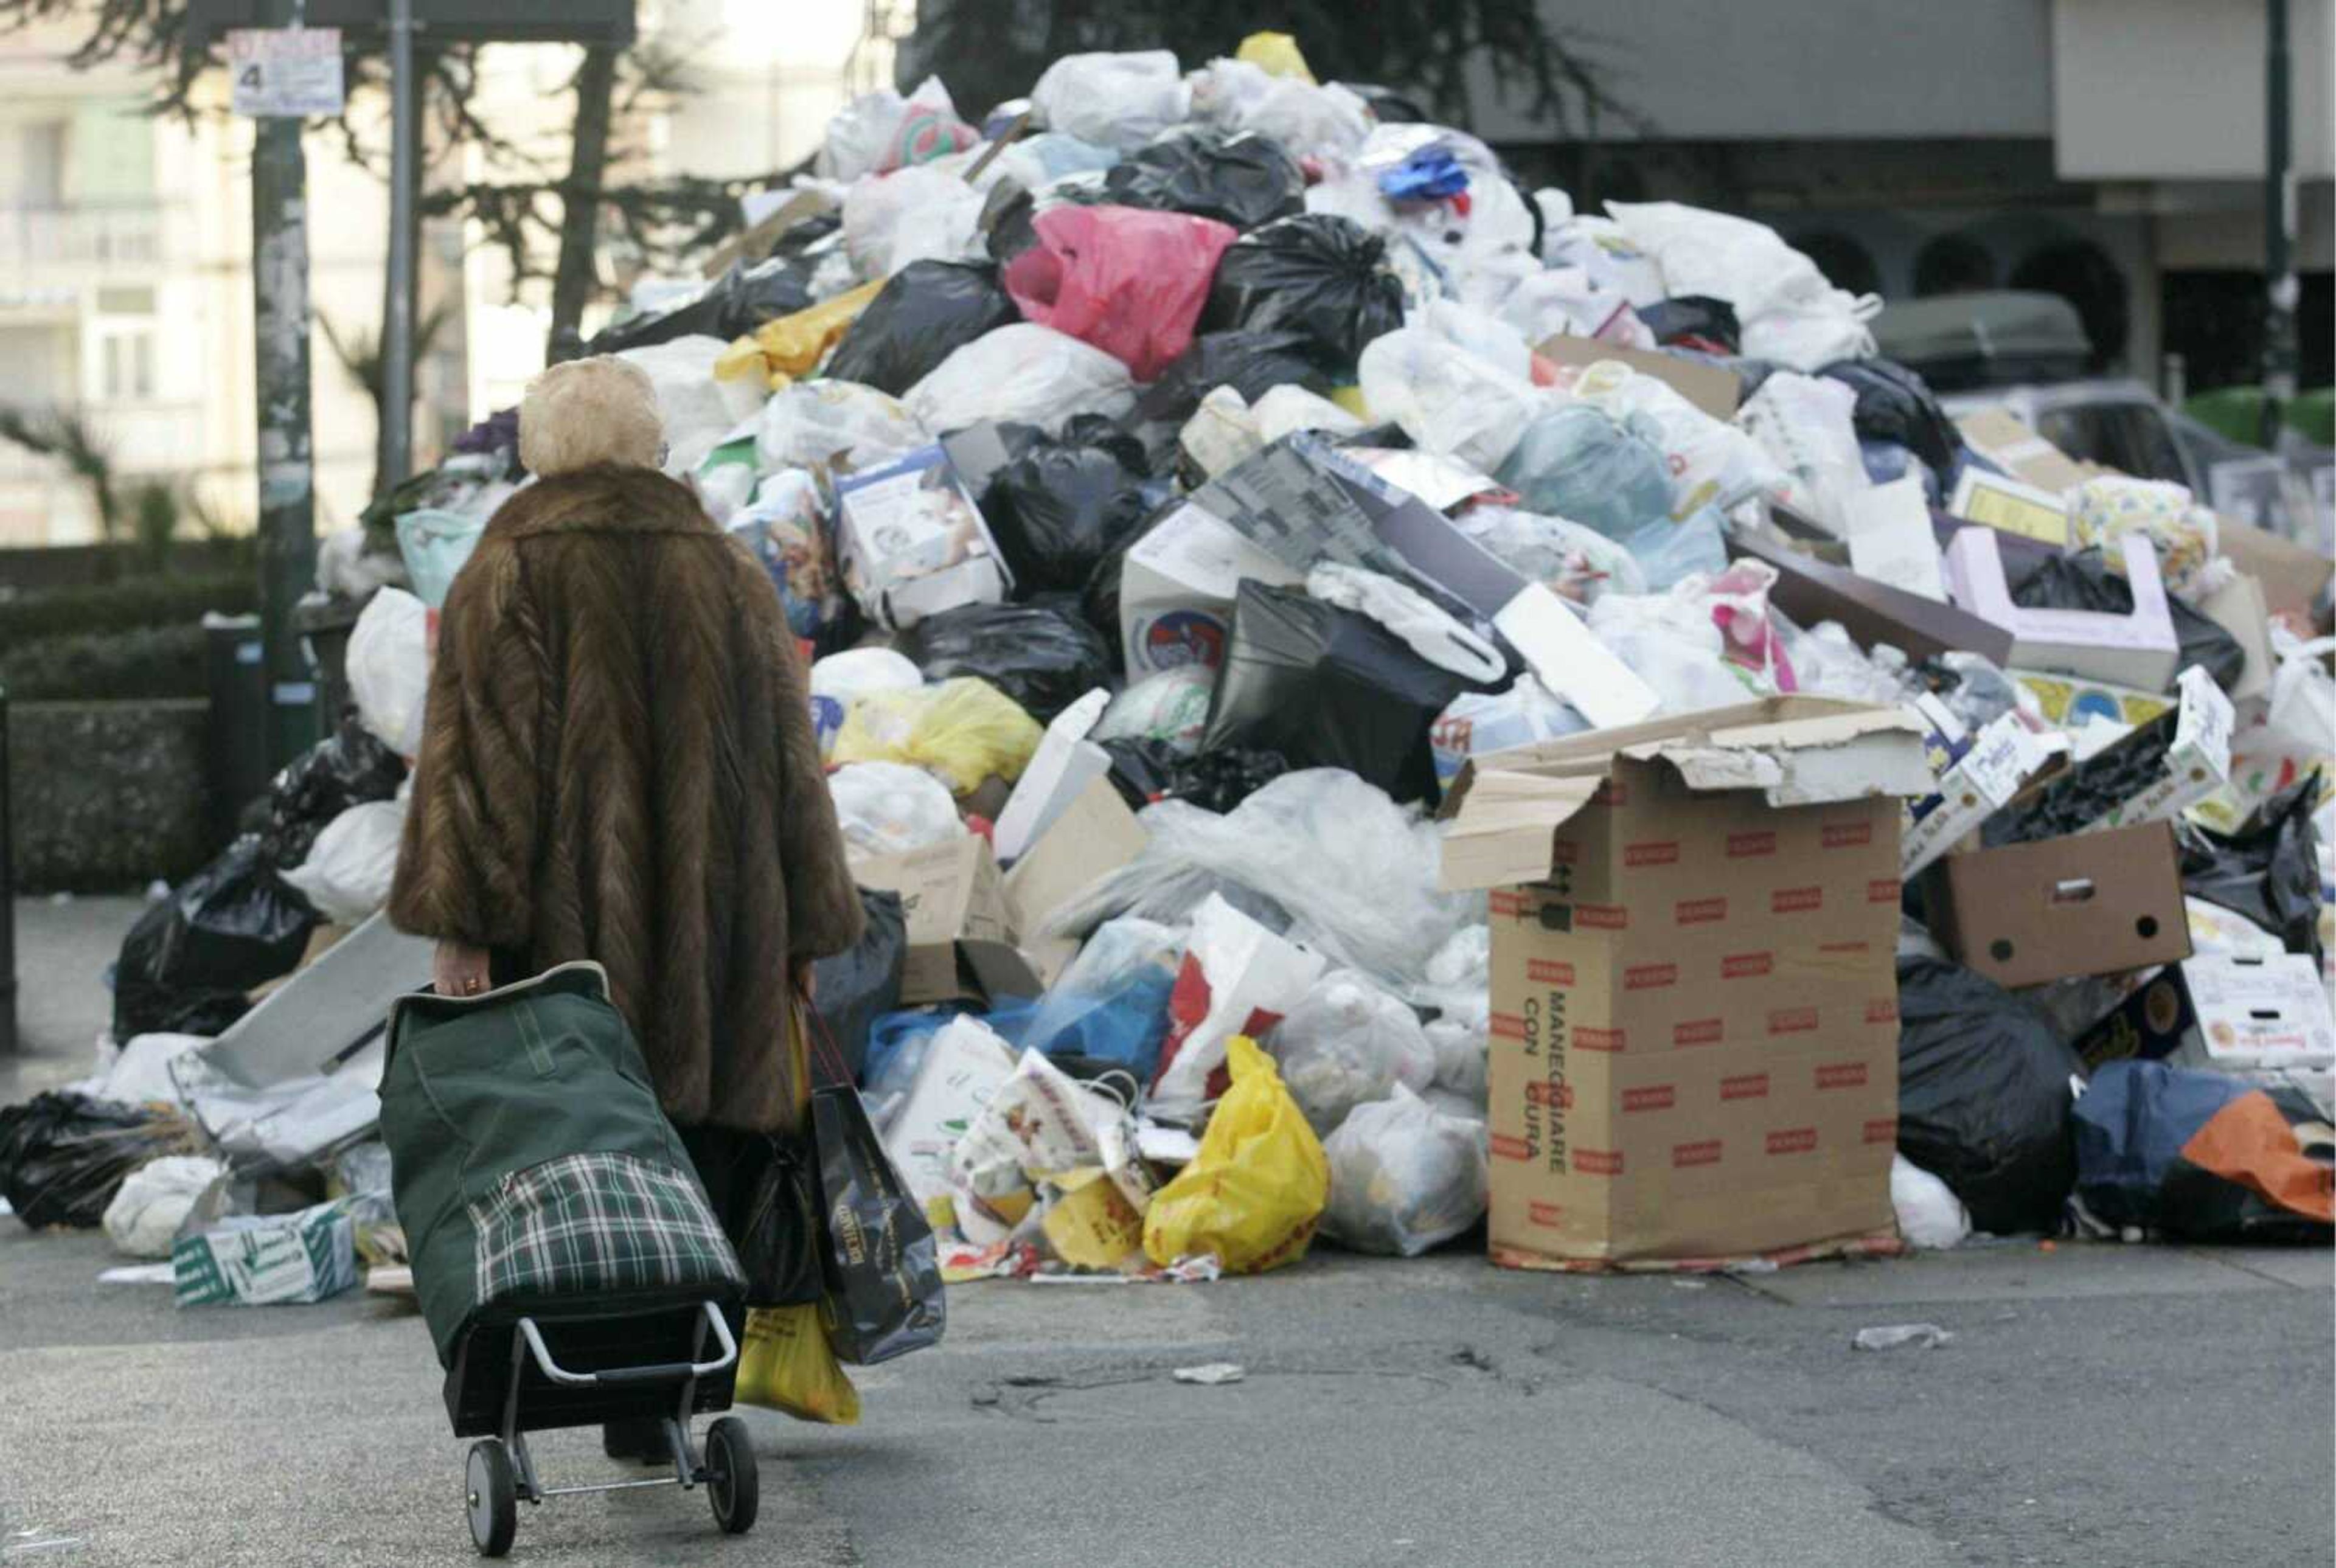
pixel 1712 462
pixel 352 863
pixel 155 1199
pixel 838 425
pixel 1404 1176
pixel 1120 101
pixel 698 410
pixel 1677 643
pixel 1235 973
pixel 1346 1043
pixel 1929 1216
pixel 1788 311
pixel 1805 424
pixel 1577 563
pixel 926 212
pixel 889 808
pixel 1449 400
pixel 856 672
pixel 1025 373
pixel 1602 250
pixel 1328 121
pixel 388 665
pixel 1484 334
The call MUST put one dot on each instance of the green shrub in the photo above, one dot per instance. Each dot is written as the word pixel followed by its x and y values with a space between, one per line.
pixel 158 662
pixel 132 604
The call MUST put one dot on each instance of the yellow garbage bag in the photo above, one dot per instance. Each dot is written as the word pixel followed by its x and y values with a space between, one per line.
pixel 1260 1181
pixel 1277 53
pixel 794 344
pixel 961 731
pixel 786 1365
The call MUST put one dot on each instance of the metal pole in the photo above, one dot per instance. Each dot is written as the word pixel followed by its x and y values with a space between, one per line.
pixel 397 329
pixel 7 896
pixel 287 458
pixel 2280 286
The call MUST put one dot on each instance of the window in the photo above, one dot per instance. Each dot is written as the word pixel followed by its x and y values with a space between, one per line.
pixel 128 365
pixel 40 164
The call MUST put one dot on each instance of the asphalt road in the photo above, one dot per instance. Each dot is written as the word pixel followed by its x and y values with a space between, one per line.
pixel 2124 1405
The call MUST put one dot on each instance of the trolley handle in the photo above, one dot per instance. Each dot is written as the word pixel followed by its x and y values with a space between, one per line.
pixel 667 1372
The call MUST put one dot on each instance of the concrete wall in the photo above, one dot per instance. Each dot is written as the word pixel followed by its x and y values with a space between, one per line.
pixel 107 795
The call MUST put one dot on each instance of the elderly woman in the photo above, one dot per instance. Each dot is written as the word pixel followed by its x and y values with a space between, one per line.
pixel 619 765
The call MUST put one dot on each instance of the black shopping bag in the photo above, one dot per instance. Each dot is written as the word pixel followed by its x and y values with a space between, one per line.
pixel 882 1271
pixel 779 1251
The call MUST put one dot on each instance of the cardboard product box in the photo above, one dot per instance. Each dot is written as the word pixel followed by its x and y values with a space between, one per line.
pixel 2196 761
pixel 1811 591
pixel 1694 990
pixel 1177 587
pixel 2217 1011
pixel 2008 506
pixel 948 893
pixel 911 541
pixel 1096 835
pixel 2138 650
pixel 2069 702
pixel 1979 776
pixel 2092 904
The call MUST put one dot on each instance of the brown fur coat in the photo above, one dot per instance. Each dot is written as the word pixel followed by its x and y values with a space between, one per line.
pixel 619 765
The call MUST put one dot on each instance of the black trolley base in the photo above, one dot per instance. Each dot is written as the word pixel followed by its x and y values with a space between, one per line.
pixel 500 1472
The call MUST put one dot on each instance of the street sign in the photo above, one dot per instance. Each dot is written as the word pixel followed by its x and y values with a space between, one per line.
pixel 290 71
pixel 439 21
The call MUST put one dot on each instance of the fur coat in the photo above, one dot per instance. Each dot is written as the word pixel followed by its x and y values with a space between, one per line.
pixel 618 764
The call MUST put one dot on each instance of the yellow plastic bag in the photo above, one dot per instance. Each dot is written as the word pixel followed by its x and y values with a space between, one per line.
pixel 961 731
pixel 1276 54
pixel 785 1365
pixel 1260 1181
pixel 794 344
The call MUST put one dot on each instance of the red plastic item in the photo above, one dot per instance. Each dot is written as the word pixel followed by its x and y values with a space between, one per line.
pixel 1125 280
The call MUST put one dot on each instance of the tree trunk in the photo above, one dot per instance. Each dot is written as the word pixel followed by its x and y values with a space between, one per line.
pixel 580 219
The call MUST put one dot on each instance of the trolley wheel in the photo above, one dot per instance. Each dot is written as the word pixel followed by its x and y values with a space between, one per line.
pixel 493 1506
pixel 731 1483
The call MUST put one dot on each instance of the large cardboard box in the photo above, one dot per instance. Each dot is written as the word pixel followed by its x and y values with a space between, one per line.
pixel 2095 903
pixel 1694 989
pixel 950 893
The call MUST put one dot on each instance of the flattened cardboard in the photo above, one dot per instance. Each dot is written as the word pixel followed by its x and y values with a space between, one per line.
pixel 2092 904
pixel 2002 438
pixel 947 893
pixel 1715 389
pixel 2138 650
pixel 2241 607
pixel 2291 574
pixel 1095 836
pixel 1890 539
pixel 1810 590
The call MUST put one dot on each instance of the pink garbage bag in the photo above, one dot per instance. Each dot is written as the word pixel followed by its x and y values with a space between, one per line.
pixel 1125 280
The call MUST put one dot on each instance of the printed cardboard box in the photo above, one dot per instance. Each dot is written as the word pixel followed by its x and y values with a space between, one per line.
pixel 1177 588
pixel 912 543
pixel 2095 903
pixel 1694 990
pixel 2220 1011
pixel 2138 650
pixel 949 892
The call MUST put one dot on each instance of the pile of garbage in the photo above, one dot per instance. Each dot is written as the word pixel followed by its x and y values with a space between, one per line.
pixel 1366 700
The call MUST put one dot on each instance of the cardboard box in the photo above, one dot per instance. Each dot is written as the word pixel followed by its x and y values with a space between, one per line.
pixel 1811 591
pixel 2291 574
pixel 2095 904
pixel 1093 837
pixel 2138 650
pixel 2216 1011
pixel 2008 506
pixel 2005 440
pixel 949 892
pixel 1177 587
pixel 2197 760
pixel 1694 992
pixel 1713 388
pixel 1065 764
pixel 911 541
pixel 1979 776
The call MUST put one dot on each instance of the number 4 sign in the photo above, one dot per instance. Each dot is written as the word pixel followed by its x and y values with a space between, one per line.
pixel 286 71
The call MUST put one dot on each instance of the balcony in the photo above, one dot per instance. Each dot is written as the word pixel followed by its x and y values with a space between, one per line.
pixel 109 235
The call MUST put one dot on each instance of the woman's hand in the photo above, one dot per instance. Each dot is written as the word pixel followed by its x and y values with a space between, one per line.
pixel 806 981
pixel 460 970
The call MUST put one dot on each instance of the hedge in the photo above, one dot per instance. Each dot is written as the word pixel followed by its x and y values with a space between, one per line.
pixel 155 661
pixel 133 604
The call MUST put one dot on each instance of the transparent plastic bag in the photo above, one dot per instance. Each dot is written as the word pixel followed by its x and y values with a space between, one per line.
pixel 1355 874
pixel 1346 1043
pixel 1404 1176
pixel 837 425
pixel 1449 400
pixel 1172 707
pixel 890 808
pixel 1576 563
pixel 1025 373
pixel 960 730
pixel 1305 118
pixel 348 870
pixel 1479 722
pixel 1120 101
pixel 1668 552
pixel 1705 644
pixel 1804 423
pixel 1578 463
pixel 926 213
pixel 1826 663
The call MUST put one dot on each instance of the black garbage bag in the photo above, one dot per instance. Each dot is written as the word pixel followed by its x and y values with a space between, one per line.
pixel 185 967
pixel 1694 321
pixel 860 984
pixel 2084 582
pixel 927 311
pixel 1146 771
pixel 1316 274
pixel 2268 870
pixel 1895 403
pixel 1389 106
pixel 1251 363
pixel 62 1155
pixel 1326 688
pixel 346 768
pixel 732 305
pixel 1245 180
pixel 1044 655
pixel 2203 1156
pixel 1983 1096
pixel 1061 506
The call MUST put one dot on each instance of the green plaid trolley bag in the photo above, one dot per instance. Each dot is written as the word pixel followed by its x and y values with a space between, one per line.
pixel 570 1268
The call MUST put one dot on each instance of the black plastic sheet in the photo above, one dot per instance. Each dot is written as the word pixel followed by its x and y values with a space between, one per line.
pixel 1045 655
pixel 63 1156
pixel 857 985
pixel 2084 582
pixel 2268 870
pixel 927 311
pixel 346 768
pixel 1894 404
pixel 1983 1096
pixel 1318 273
pixel 1245 180
pixel 187 965
pixel 1147 770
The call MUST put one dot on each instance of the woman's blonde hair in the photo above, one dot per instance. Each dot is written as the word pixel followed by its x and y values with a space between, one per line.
pixel 588 412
